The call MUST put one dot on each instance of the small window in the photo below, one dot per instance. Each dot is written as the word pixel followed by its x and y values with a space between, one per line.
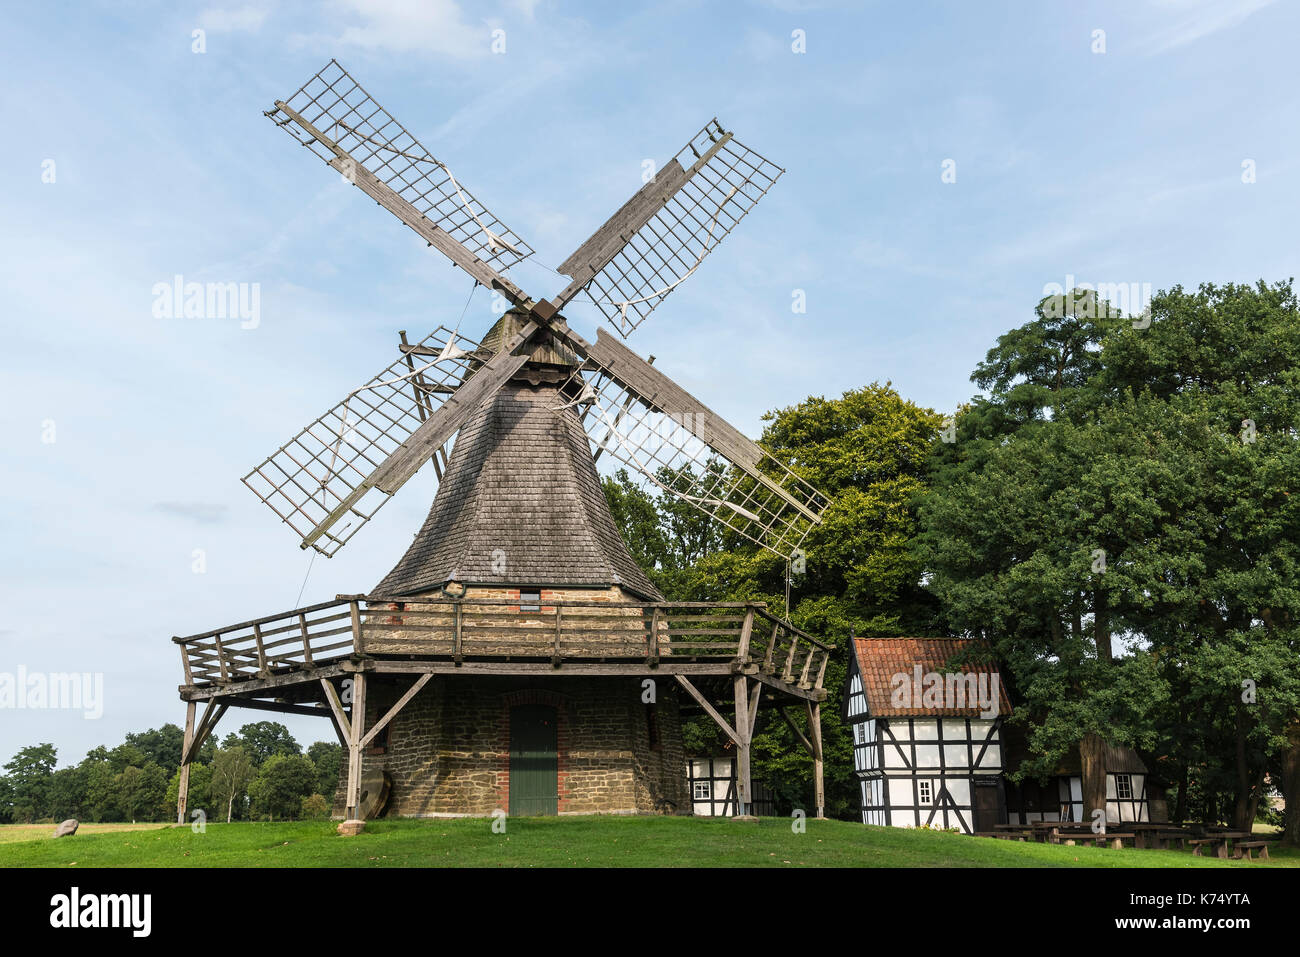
pixel 530 599
pixel 703 790
pixel 652 725
pixel 859 734
pixel 1124 787
pixel 927 794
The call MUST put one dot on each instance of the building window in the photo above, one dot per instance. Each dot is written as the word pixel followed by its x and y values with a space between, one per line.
pixel 859 734
pixel 927 794
pixel 530 599
pixel 1124 787
pixel 703 790
pixel 652 725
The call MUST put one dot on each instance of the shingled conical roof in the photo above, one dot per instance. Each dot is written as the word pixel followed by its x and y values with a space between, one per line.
pixel 520 503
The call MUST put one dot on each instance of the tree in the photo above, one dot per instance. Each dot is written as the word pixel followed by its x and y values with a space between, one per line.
pixel 328 759
pixel 232 770
pixel 162 745
pixel 30 774
pixel 1129 483
pixel 263 740
pixel 281 784
pixel 141 791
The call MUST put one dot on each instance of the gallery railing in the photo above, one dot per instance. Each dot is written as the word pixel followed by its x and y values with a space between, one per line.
pixel 484 629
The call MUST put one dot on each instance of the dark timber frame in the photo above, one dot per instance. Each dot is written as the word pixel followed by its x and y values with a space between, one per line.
pixel 299 661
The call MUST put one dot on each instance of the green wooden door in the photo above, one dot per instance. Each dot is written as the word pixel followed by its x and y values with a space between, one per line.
pixel 534 769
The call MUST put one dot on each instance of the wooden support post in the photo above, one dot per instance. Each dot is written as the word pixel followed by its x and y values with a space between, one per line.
pixel 743 731
pixel 183 793
pixel 555 654
pixel 815 734
pixel 355 737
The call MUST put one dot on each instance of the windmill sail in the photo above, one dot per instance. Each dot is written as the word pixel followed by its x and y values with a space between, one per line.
pixel 662 234
pixel 643 419
pixel 343 125
pixel 321 469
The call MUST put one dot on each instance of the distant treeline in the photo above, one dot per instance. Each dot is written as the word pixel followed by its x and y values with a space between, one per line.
pixel 257 773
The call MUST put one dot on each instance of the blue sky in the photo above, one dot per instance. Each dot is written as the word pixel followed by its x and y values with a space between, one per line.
pixel 1122 166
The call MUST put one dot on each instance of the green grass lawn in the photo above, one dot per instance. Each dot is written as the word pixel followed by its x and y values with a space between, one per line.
pixel 570 842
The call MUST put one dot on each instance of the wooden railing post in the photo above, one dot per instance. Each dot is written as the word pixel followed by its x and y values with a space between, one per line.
pixel 358 645
pixel 770 657
pixel 306 640
pixel 788 670
pixel 742 650
pixel 221 658
pixel 652 656
pixel 262 670
pixel 185 662
pixel 803 675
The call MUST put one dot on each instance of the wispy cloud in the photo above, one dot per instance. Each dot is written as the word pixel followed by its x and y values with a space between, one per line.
pixel 1205 18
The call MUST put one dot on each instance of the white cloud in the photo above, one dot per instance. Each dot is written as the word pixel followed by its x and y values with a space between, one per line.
pixel 429 26
pixel 247 19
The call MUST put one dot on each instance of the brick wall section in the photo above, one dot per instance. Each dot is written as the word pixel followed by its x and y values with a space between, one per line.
pixel 448 750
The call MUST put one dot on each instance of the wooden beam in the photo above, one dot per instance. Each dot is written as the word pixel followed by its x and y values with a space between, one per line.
pixel 382 723
pixel 745 732
pixel 819 764
pixel 336 707
pixel 711 711
pixel 183 792
pixel 443 422
pixel 357 729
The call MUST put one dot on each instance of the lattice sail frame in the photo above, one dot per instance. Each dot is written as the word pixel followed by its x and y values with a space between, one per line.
pixel 647 438
pixel 311 474
pixel 675 240
pixel 340 108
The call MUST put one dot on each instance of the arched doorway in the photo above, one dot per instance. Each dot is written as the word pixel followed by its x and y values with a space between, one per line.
pixel 534 764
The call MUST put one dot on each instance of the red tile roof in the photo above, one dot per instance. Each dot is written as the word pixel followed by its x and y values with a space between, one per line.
pixel 881 659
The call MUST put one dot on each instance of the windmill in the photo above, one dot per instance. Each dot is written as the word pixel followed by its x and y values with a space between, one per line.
pixel 334 475
pixel 517 631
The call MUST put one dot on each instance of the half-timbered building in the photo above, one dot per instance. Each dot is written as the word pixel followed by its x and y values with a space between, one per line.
pixel 1132 792
pixel 926 726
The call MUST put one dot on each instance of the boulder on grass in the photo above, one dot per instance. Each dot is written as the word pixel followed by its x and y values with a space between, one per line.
pixel 352 828
pixel 67 828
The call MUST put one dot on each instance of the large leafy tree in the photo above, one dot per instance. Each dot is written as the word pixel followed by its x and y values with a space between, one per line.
pixel 1116 517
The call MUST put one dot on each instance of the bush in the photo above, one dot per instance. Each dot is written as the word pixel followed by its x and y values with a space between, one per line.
pixel 314 808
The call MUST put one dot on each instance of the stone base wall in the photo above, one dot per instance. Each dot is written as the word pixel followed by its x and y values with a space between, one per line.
pixel 448 751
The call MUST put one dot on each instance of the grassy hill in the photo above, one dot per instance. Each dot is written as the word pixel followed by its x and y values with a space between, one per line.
pixel 566 842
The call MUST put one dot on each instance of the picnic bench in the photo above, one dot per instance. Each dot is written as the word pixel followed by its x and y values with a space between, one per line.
pixel 1217 840
pixel 1240 848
